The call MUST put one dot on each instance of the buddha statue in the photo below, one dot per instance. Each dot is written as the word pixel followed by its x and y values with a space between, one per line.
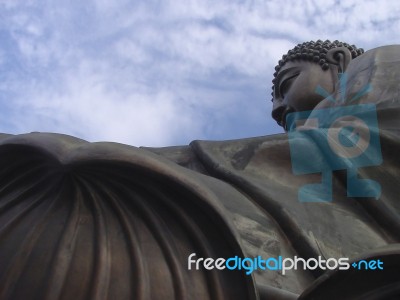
pixel 82 220
pixel 307 66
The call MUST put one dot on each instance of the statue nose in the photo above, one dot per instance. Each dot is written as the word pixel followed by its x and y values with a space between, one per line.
pixel 277 113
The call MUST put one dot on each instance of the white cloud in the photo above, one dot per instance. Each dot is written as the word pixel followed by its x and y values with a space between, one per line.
pixel 92 108
pixel 163 72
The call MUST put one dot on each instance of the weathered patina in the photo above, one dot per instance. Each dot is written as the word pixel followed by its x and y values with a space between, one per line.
pixel 82 220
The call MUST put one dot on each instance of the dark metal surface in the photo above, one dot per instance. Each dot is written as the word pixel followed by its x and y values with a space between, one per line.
pixel 108 221
pixel 83 220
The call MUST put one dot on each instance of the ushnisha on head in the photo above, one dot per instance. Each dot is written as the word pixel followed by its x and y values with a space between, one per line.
pixel 302 69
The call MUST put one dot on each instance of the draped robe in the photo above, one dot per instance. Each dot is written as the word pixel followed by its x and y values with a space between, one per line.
pixel 82 220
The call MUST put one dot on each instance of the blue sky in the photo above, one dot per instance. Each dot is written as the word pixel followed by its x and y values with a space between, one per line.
pixel 160 73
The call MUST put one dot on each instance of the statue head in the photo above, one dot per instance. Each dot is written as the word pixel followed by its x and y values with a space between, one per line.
pixel 302 69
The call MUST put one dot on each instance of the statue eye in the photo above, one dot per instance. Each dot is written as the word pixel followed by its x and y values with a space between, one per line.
pixel 284 87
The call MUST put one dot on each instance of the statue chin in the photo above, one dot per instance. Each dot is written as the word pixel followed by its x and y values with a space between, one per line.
pixel 82 220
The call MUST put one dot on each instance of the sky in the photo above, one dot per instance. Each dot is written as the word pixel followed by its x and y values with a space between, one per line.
pixel 161 73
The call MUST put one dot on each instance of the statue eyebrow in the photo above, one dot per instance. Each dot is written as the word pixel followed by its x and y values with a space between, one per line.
pixel 286 79
pixel 282 74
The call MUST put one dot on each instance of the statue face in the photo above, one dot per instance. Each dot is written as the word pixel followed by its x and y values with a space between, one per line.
pixel 295 87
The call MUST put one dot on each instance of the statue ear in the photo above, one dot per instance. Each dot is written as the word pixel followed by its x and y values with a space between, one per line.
pixel 340 56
